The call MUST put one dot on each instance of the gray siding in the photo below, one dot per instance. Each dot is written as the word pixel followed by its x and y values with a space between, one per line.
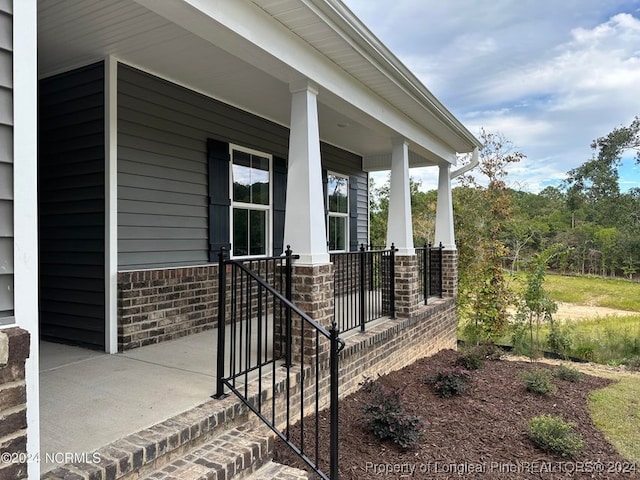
pixel 71 195
pixel 6 162
pixel 162 166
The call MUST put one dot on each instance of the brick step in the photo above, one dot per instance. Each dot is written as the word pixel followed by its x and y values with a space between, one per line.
pixel 235 454
pixel 277 471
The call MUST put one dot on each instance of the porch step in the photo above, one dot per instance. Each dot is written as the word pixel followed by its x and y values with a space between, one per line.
pixel 277 471
pixel 235 454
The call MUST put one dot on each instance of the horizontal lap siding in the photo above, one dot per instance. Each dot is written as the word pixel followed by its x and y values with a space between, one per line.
pixel 71 196
pixel 6 163
pixel 162 167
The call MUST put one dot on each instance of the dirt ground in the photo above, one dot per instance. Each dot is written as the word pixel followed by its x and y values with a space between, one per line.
pixel 572 312
pixel 480 435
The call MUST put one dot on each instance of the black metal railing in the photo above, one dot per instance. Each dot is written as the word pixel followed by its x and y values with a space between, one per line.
pixel 364 286
pixel 261 336
pixel 430 271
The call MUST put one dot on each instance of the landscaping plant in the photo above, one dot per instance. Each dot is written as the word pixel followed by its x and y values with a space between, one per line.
pixel 387 417
pixel 451 381
pixel 568 374
pixel 554 435
pixel 538 381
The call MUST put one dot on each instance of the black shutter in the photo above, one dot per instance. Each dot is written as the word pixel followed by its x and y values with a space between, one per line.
pixel 218 160
pixel 279 203
pixel 353 213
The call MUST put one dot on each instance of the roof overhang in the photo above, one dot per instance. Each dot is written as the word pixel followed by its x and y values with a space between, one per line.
pixel 247 53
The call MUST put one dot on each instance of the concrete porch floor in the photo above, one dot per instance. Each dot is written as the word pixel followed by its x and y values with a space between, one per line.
pixel 89 399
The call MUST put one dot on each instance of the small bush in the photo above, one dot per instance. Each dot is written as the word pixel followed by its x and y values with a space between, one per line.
pixel 559 340
pixel 451 381
pixel 387 418
pixel 470 360
pixel 554 435
pixel 489 351
pixel 538 381
pixel 568 374
pixel 632 363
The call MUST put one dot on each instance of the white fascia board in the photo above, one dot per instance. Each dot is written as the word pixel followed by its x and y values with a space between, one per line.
pixel 25 109
pixel 255 37
pixel 342 20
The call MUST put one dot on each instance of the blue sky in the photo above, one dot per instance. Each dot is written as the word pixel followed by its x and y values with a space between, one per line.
pixel 549 75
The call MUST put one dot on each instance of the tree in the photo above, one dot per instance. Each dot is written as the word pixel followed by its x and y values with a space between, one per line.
pixel 484 296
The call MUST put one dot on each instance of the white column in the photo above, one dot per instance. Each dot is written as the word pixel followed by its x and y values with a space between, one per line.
pixel 444 210
pixel 111 204
pixel 25 95
pixel 399 227
pixel 304 227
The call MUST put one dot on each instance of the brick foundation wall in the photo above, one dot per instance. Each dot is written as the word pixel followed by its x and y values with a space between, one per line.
pixel 407 286
pixel 14 350
pixel 450 273
pixel 159 305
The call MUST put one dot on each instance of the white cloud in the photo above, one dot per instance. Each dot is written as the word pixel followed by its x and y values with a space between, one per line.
pixel 551 76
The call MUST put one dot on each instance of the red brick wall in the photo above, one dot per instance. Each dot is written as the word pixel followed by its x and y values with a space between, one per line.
pixel 163 304
pixel 14 350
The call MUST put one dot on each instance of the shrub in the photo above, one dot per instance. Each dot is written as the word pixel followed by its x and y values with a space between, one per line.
pixel 538 381
pixel 568 374
pixel 489 351
pixel 388 419
pixel 470 360
pixel 451 381
pixel 632 363
pixel 554 435
pixel 559 339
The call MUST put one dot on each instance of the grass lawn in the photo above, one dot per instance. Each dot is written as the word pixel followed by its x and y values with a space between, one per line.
pixel 594 291
pixel 615 410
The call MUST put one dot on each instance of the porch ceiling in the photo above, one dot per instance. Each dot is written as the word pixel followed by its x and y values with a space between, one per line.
pixel 73 33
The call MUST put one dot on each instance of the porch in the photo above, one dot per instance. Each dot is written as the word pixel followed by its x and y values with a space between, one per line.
pixel 136 407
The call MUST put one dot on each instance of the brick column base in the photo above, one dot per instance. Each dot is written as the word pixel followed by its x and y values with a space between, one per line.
pixel 14 350
pixel 312 292
pixel 407 286
pixel 450 273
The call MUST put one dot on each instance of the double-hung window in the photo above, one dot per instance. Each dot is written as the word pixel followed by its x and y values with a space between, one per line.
pixel 338 212
pixel 251 202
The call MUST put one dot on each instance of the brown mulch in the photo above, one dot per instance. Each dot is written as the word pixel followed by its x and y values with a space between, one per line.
pixel 480 434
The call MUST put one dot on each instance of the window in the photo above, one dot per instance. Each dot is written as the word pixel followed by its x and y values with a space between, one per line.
pixel 338 203
pixel 251 202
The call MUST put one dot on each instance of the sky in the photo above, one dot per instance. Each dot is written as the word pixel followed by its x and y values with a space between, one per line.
pixel 549 75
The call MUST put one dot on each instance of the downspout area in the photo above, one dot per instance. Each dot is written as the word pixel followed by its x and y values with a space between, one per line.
pixel 475 160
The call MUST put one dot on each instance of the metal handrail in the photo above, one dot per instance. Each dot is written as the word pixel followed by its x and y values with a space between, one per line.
pixel 258 301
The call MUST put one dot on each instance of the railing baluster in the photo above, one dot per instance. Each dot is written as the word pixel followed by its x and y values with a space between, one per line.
pixel 334 350
pixel 222 300
pixel 361 289
pixel 251 293
pixel 392 281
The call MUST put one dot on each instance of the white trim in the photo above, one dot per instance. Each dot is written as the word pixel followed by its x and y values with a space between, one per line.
pixel 305 198
pixel 25 178
pixel 111 204
pixel 252 206
pixel 444 210
pixel 399 223
pixel 248 32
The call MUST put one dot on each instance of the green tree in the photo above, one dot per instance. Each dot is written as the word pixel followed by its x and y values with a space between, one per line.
pixel 484 296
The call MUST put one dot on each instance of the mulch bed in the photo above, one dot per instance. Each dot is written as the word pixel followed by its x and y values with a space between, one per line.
pixel 480 434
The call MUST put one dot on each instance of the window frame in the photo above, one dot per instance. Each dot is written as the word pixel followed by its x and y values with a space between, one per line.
pixel 344 215
pixel 268 208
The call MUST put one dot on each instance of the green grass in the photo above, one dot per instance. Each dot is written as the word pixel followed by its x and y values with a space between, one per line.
pixel 608 340
pixel 615 410
pixel 595 291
